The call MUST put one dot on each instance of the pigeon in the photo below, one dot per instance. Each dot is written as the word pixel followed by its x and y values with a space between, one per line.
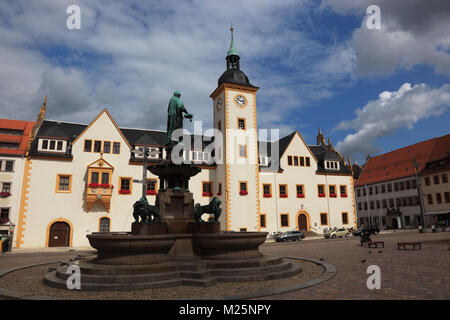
pixel 364 260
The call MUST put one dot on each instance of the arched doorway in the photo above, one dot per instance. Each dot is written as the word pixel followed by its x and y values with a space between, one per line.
pixel 59 235
pixel 303 221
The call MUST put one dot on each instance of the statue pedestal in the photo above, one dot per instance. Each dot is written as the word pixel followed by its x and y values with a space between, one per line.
pixel 204 227
pixel 142 228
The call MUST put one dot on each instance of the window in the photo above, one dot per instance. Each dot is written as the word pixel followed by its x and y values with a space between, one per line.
pixel 407 185
pixel 413 184
pixel 6 187
pixel 378 204
pixel 243 151
pixel 364 192
pixel 376 189
pixel 44 144
pixel 359 192
pixel 389 187
pixel 395 186
pixel 295 161
pixel 219 192
pixel 284 217
pixel 242 229
pixel 365 205
pixel 384 201
pixel 372 205
pixel 241 123
pixel 359 205
pixel 94 177
pixel 427 181
pixel 430 199
pixel 438 198
pixel 402 185
pixel 391 203
pixel 104 224
pixel 262 221
pixel 447 197
pixel 151 184
pixel 436 179
pixel 283 191
pixel 4 215
pixel 106 147
pixel 207 189
pixel 370 190
pixel 219 125
pixel 267 190
pixel 125 185
pixel 289 160
pixel 105 177
pixel 300 191
pixel 243 188
pixel 97 146
pixel 59 145
pixel 307 161
pixel 302 161
pixel 87 145
pixel 321 190
pixel 444 178
pixel 344 217
pixel 116 147
pixel 324 219
pixel 383 188
pixel 343 190
pixel 332 189
pixel 52 145
pixel 63 183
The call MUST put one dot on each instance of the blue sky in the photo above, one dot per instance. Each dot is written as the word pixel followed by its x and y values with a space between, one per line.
pixel 316 63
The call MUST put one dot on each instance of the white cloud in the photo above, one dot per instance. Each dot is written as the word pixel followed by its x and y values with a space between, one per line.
pixel 391 111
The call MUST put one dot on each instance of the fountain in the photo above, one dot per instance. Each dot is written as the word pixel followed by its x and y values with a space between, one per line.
pixel 169 244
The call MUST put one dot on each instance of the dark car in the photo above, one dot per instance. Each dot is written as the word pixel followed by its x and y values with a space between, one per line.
pixel 372 230
pixel 290 235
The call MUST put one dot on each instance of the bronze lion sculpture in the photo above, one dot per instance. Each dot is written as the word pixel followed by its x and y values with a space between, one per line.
pixel 212 207
pixel 145 211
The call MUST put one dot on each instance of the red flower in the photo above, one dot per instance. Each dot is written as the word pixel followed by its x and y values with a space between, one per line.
pixel 333 195
pixel 283 195
pixel 150 192
pixel 207 194
pixel 321 195
pixel 5 194
pixel 219 193
pixel 105 185
pixel 94 185
pixel 344 195
pixel 243 192
pixel 300 195
pixel 267 195
pixel 123 191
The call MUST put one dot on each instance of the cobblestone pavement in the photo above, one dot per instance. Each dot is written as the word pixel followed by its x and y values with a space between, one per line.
pixel 420 274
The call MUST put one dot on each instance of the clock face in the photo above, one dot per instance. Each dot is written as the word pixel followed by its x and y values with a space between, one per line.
pixel 240 100
pixel 219 104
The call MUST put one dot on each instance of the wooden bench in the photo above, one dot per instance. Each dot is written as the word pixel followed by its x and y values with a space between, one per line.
pixel 375 244
pixel 413 245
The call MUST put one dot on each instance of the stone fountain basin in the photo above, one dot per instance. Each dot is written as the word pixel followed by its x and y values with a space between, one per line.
pixel 229 245
pixel 125 248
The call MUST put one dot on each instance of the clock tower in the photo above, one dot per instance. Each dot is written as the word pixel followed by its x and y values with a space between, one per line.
pixel 236 150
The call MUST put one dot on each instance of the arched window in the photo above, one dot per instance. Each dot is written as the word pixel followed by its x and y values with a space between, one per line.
pixel 104 224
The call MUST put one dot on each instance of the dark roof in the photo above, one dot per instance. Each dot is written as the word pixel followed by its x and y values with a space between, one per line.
pixel 234 76
pixel 325 153
pixel 144 137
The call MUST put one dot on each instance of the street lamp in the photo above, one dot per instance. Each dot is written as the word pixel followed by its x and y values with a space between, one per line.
pixel 419 190
pixel 145 152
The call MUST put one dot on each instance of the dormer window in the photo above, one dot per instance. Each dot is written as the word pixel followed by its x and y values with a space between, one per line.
pixel 332 165
pixel 263 160
pixel 52 145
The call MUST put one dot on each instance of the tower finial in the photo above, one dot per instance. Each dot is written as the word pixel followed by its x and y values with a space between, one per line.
pixel 232 51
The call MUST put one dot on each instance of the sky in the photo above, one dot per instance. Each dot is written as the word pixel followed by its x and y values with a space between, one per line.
pixel 318 64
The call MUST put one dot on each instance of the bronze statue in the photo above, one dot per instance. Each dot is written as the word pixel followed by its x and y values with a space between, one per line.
pixel 212 207
pixel 175 112
pixel 145 211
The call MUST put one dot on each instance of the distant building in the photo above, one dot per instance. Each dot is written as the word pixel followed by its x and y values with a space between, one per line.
pixel 14 137
pixel 435 184
pixel 386 192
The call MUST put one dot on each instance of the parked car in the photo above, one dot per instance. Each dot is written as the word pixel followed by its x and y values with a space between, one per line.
pixel 372 230
pixel 337 232
pixel 290 235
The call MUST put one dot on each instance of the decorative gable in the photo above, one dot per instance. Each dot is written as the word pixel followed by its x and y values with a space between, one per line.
pixel 99 185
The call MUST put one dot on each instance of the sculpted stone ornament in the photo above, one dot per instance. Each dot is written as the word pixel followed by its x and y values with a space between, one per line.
pixel 175 112
pixel 212 207
pixel 145 211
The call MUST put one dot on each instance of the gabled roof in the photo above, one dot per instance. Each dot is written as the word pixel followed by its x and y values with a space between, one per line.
pixel 20 137
pixel 396 164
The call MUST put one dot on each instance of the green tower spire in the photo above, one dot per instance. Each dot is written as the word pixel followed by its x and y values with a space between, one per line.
pixel 232 51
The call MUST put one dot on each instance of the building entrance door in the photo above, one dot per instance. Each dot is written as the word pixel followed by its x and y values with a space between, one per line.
pixel 302 222
pixel 59 235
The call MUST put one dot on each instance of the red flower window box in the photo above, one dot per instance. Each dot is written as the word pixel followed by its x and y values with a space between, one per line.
pixel 94 185
pixel 333 195
pixel 267 195
pixel 105 185
pixel 344 195
pixel 207 194
pixel 300 195
pixel 283 195
pixel 243 192
pixel 321 195
pixel 123 191
pixel 5 194
pixel 219 193
pixel 150 192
